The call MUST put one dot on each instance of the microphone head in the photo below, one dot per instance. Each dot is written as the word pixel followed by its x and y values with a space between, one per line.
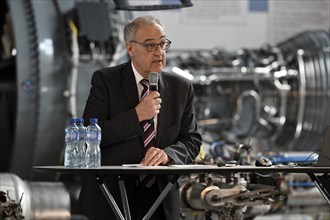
pixel 153 81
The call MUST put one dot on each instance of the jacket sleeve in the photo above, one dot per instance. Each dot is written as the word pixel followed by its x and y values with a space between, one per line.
pixel 188 142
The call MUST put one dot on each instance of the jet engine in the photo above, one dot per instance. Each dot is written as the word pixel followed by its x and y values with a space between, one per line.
pixel 276 96
pixel 258 101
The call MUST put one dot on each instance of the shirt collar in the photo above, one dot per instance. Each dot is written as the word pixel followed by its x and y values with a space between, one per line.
pixel 137 75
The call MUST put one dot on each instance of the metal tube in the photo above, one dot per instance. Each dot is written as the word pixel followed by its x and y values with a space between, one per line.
pixel 322 190
pixel 161 197
pixel 110 199
pixel 124 198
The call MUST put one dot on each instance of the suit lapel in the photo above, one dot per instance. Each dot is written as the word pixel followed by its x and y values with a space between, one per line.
pixel 129 86
pixel 164 95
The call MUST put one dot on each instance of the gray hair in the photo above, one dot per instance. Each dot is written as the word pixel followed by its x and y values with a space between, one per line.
pixel 133 26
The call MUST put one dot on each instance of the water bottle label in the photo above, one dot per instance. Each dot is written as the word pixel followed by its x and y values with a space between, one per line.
pixel 95 136
pixel 82 135
pixel 91 135
pixel 71 136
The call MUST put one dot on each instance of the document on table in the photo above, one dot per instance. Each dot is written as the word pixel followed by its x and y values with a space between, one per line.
pixel 133 165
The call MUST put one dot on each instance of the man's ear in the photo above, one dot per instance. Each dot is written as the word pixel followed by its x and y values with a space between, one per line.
pixel 129 49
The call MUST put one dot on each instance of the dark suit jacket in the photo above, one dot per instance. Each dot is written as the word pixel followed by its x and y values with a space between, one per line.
pixel 113 97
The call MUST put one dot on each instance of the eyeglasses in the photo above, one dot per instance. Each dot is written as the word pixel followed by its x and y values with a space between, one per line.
pixel 152 47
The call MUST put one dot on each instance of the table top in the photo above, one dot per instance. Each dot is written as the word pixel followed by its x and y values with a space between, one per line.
pixel 180 169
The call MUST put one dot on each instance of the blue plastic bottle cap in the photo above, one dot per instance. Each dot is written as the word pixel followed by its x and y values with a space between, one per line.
pixel 71 120
pixel 80 120
pixel 93 120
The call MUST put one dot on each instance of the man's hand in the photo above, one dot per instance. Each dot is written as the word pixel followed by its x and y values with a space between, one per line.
pixel 154 157
pixel 149 106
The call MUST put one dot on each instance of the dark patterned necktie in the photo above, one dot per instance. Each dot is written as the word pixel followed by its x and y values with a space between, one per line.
pixel 148 128
pixel 149 139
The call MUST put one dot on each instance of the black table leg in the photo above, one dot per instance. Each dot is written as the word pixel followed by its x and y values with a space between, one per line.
pixel 124 199
pixel 322 185
pixel 123 193
pixel 161 197
pixel 110 198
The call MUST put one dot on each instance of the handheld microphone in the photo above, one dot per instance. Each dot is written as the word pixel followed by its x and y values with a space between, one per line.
pixel 153 82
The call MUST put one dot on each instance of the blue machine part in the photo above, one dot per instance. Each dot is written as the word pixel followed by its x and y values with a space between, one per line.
pixel 305 158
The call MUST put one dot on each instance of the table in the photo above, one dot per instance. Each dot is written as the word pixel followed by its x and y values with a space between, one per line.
pixel 321 182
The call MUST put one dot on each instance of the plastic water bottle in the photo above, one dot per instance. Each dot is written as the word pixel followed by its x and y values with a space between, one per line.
pixel 71 140
pixel 93 140
pixel 81 146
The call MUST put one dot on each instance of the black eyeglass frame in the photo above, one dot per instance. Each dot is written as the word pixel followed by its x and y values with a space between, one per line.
pixel 153 46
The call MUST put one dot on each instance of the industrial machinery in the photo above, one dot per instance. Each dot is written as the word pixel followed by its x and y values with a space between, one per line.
pixel 248 102
pixel 235 196
pixel 276 97
pixel 9 208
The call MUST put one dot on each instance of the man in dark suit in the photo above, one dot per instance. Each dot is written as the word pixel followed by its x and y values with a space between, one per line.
pixel 115 100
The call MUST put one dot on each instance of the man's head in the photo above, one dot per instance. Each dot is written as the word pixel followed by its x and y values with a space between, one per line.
pixel 146 44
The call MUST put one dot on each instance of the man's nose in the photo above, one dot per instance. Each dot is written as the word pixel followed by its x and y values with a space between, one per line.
pixel 158 50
